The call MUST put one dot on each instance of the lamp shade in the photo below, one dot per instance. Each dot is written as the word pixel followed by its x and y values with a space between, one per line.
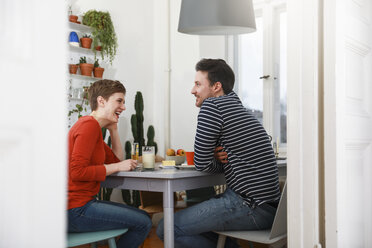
pixel 216 17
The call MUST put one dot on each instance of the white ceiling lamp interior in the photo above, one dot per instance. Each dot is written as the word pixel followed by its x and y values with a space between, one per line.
pixel 216 17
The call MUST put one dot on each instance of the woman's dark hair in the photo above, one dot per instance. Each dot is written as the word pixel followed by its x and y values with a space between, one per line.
pixel 218 71
pixel 104 88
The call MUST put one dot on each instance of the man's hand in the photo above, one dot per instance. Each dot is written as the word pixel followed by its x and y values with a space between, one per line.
pixel 220 155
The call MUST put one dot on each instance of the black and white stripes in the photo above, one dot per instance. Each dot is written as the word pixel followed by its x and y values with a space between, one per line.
pixel 251 170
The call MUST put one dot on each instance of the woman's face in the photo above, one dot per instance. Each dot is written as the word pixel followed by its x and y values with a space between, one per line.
pixel 113 107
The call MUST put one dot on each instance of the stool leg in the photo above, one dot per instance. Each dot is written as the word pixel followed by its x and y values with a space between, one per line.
pixel 112 243
pixel 221 241
pixel 250 244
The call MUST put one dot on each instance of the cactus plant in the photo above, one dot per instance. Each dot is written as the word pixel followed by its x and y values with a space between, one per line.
pixel 128 149
pixel 150 138
pixel 83 60
pixel 132 197
pixel 137 121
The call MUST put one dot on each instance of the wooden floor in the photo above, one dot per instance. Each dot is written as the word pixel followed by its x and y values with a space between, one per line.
pixel 153 241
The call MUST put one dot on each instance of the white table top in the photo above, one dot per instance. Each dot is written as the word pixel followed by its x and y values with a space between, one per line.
pixel 155 180
pixel 163 173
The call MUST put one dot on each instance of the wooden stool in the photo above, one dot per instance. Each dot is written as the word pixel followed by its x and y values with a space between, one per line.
pixel 75 239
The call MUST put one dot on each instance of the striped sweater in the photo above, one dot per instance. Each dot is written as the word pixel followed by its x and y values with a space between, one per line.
pixel 251 170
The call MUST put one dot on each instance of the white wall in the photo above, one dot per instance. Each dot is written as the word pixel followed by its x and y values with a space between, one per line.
pixel 133 64
pixel 142 63
pixel 186 51
pixel 33 129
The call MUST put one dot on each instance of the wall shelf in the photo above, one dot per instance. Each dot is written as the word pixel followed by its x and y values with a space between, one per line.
pixel 86 78
pixel 83 50
pixel 80 27
pixel 75 99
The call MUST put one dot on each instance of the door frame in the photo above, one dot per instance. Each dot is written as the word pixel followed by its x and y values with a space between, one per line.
pixel 304 123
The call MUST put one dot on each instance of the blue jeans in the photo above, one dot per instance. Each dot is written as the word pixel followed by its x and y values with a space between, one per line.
pixel 103 215
pixel 193 225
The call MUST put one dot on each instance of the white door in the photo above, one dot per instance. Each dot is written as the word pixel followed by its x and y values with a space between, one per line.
pixel 33 123
pixel 348 122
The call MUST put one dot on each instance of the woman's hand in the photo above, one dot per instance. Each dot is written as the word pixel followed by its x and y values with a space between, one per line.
pixel 112 127
pixel 127 165
pixel 220 155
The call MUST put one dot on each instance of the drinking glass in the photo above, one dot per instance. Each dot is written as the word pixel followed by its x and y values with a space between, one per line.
pixel 135 151
pixel 148 157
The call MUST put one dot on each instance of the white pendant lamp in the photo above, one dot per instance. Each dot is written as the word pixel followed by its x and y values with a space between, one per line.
pixel 216 17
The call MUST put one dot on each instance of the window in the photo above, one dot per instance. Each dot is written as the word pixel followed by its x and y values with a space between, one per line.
pixel 261 67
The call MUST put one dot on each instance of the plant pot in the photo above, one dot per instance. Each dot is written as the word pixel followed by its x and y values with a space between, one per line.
pixel 86 69
pixel 98 72
pixel 98 48
pixel 86 42
pixel 73 18
pixel 73 68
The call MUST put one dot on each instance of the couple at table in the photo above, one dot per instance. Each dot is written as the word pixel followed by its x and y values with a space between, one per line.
pixel 228 140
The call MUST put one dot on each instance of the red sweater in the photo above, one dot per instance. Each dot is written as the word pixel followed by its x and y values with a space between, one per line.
pixel 87 153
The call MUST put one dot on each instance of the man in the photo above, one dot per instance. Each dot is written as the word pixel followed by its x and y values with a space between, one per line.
pixel 229 140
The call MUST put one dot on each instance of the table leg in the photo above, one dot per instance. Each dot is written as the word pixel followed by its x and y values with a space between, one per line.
pixel 168 205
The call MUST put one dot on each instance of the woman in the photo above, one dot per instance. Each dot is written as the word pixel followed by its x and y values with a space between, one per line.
pixel 91 160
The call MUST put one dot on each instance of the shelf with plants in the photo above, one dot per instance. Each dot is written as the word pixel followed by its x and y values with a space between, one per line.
pixel 97 26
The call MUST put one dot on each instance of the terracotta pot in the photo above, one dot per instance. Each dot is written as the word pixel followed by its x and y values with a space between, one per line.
pixel 73 68
pixel 86 42
pixel 86 69
pixel 73 18
pixel 98 72
pixel 98 48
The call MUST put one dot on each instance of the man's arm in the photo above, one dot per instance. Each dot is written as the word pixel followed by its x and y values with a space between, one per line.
pixel 208 131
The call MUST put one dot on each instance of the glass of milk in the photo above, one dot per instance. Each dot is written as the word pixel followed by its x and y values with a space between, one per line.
pixel 148 157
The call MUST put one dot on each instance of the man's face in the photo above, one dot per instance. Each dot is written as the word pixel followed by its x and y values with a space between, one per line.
pixel 202 88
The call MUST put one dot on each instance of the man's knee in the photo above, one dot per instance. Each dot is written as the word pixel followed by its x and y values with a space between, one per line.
pixel 148 224
pixel 160 229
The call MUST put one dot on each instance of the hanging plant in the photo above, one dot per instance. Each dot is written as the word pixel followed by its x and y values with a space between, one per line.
pixel 103 32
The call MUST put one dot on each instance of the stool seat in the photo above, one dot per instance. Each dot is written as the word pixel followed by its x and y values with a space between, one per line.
pixel 75 239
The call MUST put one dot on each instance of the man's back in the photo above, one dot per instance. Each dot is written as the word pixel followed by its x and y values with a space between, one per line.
pixel 251 170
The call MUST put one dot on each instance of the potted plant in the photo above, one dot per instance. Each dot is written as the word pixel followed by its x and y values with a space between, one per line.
pixel 85 68
pixel 97 71
pixel 86 41
pixel 73 68
pixel 79 108
pixel 71 17
pixel 103 32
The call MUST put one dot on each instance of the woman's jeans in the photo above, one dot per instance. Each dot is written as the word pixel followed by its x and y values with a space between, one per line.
pixel 103 215
pixel 193 225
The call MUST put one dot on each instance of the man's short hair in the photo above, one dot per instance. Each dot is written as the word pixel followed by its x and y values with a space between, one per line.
pixel 218 71
pixel 104 88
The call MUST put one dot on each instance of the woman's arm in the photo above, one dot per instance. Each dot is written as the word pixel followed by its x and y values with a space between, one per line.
pixel 126 165
pixel 115 141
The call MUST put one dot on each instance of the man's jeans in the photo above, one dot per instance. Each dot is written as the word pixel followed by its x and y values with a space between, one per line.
pixel 104 215
pixel 193 225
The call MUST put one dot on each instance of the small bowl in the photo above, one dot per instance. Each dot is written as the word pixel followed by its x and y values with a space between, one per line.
pixel 178 159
